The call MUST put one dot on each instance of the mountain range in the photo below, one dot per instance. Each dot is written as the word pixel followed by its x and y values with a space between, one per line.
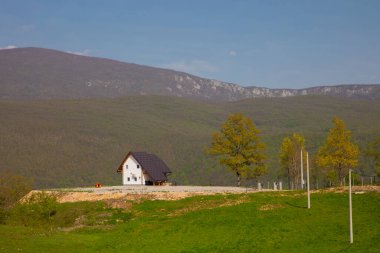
pixel 37 73
pixel 68 120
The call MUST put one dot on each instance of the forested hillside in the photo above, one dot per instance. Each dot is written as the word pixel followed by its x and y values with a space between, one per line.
pixel 80 142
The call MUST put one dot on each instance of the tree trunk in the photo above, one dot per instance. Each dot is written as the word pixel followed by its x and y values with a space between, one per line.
pixel 238 178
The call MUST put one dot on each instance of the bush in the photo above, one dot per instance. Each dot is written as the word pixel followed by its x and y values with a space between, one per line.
pixel 12 188
pixel 38 209
pixel 42 210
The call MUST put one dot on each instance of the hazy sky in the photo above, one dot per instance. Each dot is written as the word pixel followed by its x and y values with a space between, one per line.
pixel 265 43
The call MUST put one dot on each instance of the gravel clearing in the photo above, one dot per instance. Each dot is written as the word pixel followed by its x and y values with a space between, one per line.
pixel 142 189
pixel 119 194
pixel 122 193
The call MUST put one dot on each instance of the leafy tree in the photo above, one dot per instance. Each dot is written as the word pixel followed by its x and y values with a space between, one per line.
pixel 338 154
pixel 316 174
pixel 290 158
pixel 239 148
pixel 374 153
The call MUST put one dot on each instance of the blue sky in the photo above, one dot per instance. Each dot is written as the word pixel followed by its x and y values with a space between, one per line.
pixel 275 44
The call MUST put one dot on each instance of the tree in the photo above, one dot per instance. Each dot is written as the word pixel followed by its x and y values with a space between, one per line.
pixel 338 154
pixel 239 148
pixel 373 152
pixel 290 158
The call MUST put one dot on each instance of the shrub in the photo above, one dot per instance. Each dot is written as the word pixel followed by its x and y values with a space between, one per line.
pixel 38 209
pixel 12 188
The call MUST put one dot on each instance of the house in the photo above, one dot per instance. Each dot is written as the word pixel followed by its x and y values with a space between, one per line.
pixel 141 168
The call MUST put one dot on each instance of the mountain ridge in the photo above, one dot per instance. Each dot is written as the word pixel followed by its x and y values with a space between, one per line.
pixel 37 73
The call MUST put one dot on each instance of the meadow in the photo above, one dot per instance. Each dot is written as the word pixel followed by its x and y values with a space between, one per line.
pixel 257 222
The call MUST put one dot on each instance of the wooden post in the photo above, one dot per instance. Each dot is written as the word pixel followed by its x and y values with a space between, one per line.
pixel 350 205
pixel 308 181
pixel 301 170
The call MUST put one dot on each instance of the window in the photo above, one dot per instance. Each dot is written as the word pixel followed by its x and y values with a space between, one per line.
pixel 138 166
pixel 129 179
pixel 126 166
pixel 135 178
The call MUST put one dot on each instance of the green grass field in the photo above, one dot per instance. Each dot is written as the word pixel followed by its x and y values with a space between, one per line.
pixel 258 222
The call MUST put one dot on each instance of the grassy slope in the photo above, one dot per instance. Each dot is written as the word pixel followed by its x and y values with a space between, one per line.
pixel 203 224
pixel 80 142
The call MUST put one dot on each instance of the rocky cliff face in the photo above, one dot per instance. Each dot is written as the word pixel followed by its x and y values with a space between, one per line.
pixel 353 90
pixel 35 73
pixel 217 90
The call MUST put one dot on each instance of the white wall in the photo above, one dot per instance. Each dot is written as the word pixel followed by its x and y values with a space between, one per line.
pixel 130 170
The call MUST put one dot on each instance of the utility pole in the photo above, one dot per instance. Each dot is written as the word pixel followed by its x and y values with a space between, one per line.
pixel 350 204
pixel 308 181
pixel 301 170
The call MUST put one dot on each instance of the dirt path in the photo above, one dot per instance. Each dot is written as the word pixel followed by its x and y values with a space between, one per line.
pixel 118 194
pixel 140 192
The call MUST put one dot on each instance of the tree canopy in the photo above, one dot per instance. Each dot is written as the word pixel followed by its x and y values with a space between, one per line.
pixel 374 153
pixel 338 154
pixel 290 158
pixel 239 147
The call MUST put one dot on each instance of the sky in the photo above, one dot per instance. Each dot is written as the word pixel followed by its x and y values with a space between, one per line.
pixel 267 43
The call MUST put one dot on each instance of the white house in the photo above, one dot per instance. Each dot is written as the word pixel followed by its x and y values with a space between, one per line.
pixel 141 168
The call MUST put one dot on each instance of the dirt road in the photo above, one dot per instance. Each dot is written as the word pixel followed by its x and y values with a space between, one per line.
pixel 140 192
pixel 122 193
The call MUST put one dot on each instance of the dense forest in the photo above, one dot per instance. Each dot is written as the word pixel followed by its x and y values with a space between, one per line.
pixel 61 143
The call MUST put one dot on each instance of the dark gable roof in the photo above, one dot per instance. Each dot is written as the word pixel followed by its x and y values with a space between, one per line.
pixel 154 166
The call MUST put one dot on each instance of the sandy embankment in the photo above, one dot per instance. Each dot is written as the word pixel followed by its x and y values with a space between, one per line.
pixel 119 194
pixel 123 193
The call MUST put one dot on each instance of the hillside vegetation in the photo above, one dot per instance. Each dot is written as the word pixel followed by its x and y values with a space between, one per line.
pixel 63 143
pixel 258 222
